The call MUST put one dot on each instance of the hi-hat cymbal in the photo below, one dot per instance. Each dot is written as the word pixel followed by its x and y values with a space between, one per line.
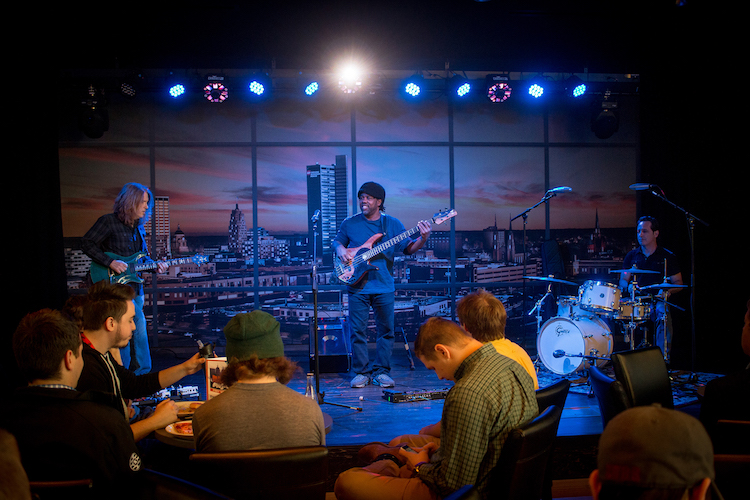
pixel 634 270
pixel 662 286
pixel 553 280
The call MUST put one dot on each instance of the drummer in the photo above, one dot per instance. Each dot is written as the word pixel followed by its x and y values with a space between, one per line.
pixel 650 256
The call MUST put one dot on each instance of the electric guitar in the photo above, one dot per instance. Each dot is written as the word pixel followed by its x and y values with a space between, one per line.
pixel 354 271
pixel 99 272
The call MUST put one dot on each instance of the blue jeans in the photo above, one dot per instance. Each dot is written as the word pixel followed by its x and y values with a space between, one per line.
pixel 359 313
pixel 141 362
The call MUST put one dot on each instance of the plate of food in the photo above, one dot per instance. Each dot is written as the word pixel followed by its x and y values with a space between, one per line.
pixel 185 409
pixel 182 429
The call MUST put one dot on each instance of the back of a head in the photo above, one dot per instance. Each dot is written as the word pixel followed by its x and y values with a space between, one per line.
pixel 439 331
pixel 40 342
pixel 483 316
pixel 105 300
pixel 650 452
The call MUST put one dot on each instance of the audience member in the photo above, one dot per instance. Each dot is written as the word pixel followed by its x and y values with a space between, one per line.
pixel 483 316
pixel 491 396
pixel 15 483
pixel 650 452
pixel 64 434
pixel 107 324
pixel 257 411
pixel 728 398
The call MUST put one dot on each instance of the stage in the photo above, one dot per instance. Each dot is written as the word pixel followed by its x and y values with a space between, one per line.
pixel 363 415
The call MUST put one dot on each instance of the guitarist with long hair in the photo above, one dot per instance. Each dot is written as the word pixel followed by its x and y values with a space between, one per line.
pixel 375 288
pixel 121 232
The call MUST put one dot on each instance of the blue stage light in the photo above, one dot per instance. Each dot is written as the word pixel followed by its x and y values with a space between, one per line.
pixel 257 88
pixel 575 87
pixel 177 90
pixel 413 87
pixel 312 88
pixel 458 87
pixel 536 90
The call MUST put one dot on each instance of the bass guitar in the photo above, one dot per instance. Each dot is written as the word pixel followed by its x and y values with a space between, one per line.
pixel 99 272
pixel 352 272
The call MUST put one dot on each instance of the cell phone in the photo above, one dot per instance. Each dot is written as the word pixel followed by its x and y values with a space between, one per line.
pixel 407 448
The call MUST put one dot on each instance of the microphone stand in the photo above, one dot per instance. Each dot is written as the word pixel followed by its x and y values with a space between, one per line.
pixel 691 220
pixel 525 214
pixel 316 366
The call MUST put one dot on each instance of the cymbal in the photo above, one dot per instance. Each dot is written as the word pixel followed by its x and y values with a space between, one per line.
pixel 634 270
pixel 662 286
pixel 553 280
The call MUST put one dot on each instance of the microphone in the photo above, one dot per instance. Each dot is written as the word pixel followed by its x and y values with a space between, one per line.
pixel 560 189
pixel 642 186
pixel 316 216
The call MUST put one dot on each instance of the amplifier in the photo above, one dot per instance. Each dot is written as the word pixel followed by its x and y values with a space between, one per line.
pixel 413 396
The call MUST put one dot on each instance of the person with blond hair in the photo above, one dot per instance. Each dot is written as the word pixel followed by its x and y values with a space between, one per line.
pixel 122 233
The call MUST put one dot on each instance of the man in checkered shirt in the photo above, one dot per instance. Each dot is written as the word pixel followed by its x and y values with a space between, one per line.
pixel 492 395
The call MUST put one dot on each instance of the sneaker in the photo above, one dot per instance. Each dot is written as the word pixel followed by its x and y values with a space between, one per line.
pixel 360 381
pixel 383 380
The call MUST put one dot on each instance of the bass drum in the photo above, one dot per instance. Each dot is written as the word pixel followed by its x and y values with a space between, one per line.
pixel 560 336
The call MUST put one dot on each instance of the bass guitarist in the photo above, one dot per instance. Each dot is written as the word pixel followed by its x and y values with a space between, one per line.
pixel 122 233
pixel 376 287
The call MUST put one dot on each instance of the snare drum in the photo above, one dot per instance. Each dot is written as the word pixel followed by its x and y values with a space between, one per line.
pixel 636 311
pixel 561 339
pixel 567 306
pixel 599 297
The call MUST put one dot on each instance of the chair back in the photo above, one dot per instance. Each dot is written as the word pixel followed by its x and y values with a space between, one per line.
pixel 554 394
pixel 644 376
pixel 519 474
pixel 292 473
pixel 609 393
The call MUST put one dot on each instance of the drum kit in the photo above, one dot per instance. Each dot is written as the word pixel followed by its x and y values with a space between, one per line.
pixel 580 335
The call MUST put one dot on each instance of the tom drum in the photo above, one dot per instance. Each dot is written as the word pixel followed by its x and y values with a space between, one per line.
pixel 599 297
pixel 561 339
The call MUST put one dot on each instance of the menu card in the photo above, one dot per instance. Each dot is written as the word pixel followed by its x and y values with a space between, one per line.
pixel 214 367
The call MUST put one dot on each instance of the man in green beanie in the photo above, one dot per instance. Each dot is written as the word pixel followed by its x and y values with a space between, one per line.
pixel 257 411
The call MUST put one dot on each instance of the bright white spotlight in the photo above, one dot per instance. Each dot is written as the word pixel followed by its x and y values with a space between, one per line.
pixel 350 79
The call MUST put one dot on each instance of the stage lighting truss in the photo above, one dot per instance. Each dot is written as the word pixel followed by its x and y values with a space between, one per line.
pixel 215 89
pixel 498 88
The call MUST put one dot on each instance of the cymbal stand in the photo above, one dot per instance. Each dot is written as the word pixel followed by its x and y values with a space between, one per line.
pixel 538 307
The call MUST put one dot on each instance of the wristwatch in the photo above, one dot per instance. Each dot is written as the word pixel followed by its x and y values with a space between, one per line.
pixel 416 467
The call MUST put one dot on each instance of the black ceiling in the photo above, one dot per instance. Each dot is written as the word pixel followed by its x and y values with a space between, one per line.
pixel 513 35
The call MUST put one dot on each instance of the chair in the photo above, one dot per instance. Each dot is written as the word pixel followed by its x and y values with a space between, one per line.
pixel 154 485
pixel 75 488
pixel 520 471
pixel 609 393
pixel 644 376
pixel 290 473
pixel 468 492
pixel 554 394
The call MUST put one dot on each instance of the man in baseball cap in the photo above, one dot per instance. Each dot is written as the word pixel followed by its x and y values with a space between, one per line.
pixel 649 453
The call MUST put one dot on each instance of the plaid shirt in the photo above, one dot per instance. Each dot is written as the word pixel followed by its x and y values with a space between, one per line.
pixel 492 395
pixel 110 234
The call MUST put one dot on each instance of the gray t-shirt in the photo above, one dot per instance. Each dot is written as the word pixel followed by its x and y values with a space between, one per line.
pixel 257 417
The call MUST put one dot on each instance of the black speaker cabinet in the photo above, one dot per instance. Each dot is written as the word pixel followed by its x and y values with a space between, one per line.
pixel 333 348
